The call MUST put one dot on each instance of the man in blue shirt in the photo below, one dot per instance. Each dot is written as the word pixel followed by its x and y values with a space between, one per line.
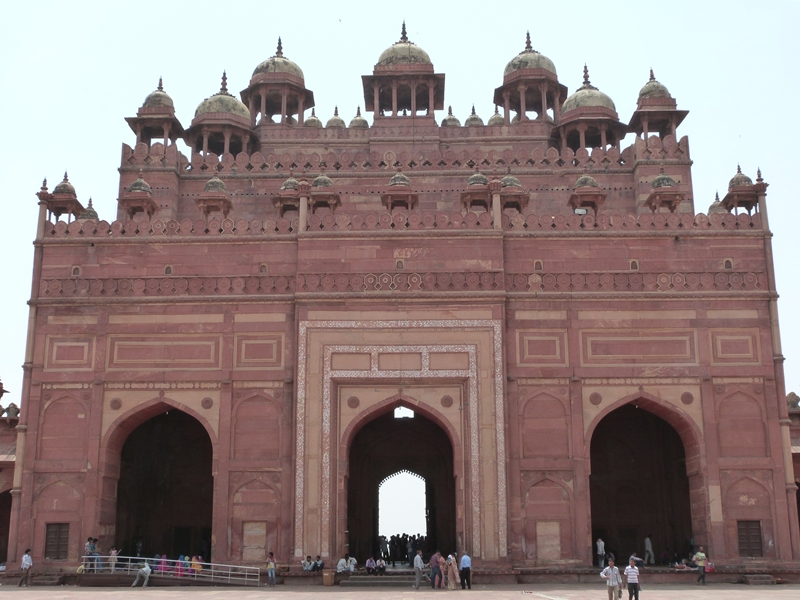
pixel 466 569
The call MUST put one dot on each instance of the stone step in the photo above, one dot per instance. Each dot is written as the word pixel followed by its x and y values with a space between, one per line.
pixel 758 579
pixel 395 581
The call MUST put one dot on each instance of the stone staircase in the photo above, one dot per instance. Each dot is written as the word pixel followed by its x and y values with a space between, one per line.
pixel 392 579
pixel 758 579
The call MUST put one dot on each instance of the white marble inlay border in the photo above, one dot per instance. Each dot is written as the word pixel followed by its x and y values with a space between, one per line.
pixel 302 350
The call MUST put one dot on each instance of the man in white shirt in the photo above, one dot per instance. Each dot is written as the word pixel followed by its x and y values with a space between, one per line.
pixel 343 564
pixel 419 564
pixel 380 566
pixel 613 580
pixel 352 563
pixel 143 572
pixel 601 553
pixel 632 580
pixel 25 567
pixel 308 564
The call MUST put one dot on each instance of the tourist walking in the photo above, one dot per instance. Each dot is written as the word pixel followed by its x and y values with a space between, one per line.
pixel 700 559
pixel 271 570
pixel 25 569
pixel 649 557
pixel 419 564
pixel 613 581
pixel 601 553
pixel 632 580
pixel 466 572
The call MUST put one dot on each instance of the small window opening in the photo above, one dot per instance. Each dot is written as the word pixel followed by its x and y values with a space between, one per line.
pixel 634 265
pixel 537 266
pixel 168 270
pixel 401 412
pixel 76 271
pixel 262 269
pixel 399 265
pixel 728 264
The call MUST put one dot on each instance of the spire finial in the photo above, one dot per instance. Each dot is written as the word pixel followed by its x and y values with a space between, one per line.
pixel 586 81
pixel 160 84
pixel 358 111
pixel 652 77
pixel 449 111
pixel 758 175
pixel 716 196
pixel 403 36
pixel 335 111
pixel 738 169
pixel 224 87
pixel 313 113
pixel 496 110
pixel 473 109
pixel 280 48
pixel 66 177
pixel 528 47
pixel 90 202
pixel 44 184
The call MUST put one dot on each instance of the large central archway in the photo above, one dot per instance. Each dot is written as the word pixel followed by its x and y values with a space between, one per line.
pixel 639 484
pixel 383 447
pixel 165 488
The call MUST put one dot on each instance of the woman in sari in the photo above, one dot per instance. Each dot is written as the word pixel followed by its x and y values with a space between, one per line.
pixel 452 572
pixel 443 569
pixel 196 566
pixel 179 566
pixel 163 566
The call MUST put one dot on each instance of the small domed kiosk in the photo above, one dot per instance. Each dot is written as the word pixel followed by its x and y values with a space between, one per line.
pixel 221 125
pixel 155 119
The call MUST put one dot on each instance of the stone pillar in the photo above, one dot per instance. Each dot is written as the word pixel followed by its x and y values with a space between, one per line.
pixel 563 139
pixel 303 224
pixel 376 91
pixel 507 107
pixel 263 105
pixel 413 98
pixel 252 108
pixel 582 134
pixel 556 107
pixel 497 212
pixel 394 98
pixel 301 103
pixel 543 115
pixel 645 133
pixel 522 109
pixel 227 147
pixel 431 96
pixel 283 106
pixel 166 135
pixel 603 141
pixel 205 142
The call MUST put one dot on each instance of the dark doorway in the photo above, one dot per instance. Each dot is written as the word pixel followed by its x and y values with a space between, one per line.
pixel 639 485
pixel 5 524
pixel 165 491
pixel 383 447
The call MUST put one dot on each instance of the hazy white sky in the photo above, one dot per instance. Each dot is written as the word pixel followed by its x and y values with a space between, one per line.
pixel 71 72
pixel 401 506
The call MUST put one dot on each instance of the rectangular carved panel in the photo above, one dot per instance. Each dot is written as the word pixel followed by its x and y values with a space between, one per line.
pixel 735 346
pixel 73 353
pixel 639 347
pixel 542 347
pixel 164 352
pixel 259 351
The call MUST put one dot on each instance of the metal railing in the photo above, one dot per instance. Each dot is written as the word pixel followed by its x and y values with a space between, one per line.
pixel 187 570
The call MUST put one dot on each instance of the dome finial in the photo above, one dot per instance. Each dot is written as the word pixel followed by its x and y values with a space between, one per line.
pixel 66 177
pixel 652 77
pixel 90 202
pixel 528 47
pixel 473 109
pixel 280 49
pixel 313 113
pixel 586 81
pixel 358 111
pixel 496 109
pixel 335 111
pixel 160 84
pixel 44 184
pixel 449 114
pixel 758 175
pixel 403 36
pixel 224 87
pixel 738 170
pixel 716 196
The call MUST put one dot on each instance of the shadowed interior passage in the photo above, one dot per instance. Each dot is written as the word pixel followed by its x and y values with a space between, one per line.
pixel 383 447
pixel 639 484
pixel 165 492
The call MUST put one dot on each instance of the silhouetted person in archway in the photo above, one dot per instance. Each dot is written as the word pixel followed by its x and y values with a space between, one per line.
pixel 601 553
pixel 649 557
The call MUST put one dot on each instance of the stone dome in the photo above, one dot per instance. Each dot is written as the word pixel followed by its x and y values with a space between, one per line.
pixel 663 180
pixel 279 64
pixel 586 181
pixel 738 180
pixel 358 121
pixel 497 118
pixel 654 89
pixel 399 178
pixel 473 119
pixel 335 120
pixel 158 98
pixel 289 184
pixel 140 185
pixel 223 102
pixel 323 181
pixel 587 95
pixel 65 187
pixel 403 53
pixel 716 206
pixel 215 184
pixel 510 181
pixel 313 120
pixel 529 59
pixel 450 120
pixel 89 212
pixel 478 178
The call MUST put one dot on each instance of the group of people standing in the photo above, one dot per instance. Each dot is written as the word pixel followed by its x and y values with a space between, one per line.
pixel 400 547
pixel 444 571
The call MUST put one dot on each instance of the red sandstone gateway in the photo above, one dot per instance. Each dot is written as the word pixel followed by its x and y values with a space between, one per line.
pixel 215 371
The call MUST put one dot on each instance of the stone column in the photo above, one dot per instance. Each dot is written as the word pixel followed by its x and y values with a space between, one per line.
pixel 603 129
pixel 301 103
pixel 227 147
pixel 303 225
pixel 283 106
pixel 507 107
pixel 582 134
pixel 543 115
pixel 431 96
pixel 522 109
pixel 205 142
pixel 166 135
pixel 263 105
pixel 645 133
pixel 394 98
pixel 252 108
pixel 376 91
pixel 413 87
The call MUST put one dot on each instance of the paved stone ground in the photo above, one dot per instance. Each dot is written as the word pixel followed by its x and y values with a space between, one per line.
pixel 519 592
